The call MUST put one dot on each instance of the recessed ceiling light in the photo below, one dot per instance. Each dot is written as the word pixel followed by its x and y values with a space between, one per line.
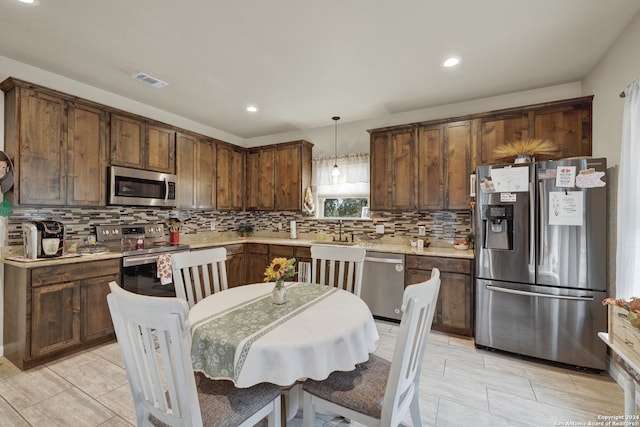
pixel 451 62
pixel 252 108
pixel 30 2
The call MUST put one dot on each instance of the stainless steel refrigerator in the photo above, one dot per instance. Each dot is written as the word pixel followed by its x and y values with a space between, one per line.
pixel 541 259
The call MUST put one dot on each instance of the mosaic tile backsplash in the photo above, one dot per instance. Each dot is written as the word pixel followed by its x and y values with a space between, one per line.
pixel 441 226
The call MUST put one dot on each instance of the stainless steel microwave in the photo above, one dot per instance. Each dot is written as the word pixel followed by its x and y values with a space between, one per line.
pixel 136 187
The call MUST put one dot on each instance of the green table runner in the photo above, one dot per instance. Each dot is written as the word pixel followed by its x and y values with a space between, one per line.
pixel 218 338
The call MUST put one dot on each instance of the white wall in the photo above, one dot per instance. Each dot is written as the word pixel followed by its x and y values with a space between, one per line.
pixel 615 70
pixel 354 138
pixel 11 68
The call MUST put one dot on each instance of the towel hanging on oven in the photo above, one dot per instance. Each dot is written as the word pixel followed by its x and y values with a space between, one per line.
pixel 164 269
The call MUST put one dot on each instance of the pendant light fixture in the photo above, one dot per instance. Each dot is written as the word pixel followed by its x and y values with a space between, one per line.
pixel 335 171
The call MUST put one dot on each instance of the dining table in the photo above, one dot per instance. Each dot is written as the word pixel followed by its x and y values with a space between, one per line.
pixel 239 334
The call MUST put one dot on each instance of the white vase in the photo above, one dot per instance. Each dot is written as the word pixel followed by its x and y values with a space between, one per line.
pixel 279 293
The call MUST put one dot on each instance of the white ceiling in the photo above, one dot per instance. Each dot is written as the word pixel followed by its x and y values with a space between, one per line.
pixel 303 61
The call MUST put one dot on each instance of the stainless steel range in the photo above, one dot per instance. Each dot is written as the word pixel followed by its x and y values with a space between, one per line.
pixel 141 244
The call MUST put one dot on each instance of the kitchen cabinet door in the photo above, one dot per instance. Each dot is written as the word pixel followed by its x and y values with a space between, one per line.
pixel 230 177
pixel 96 318
pixel 444 165
pixel 566 123
pixel 454 310
pixel 257 262
pixel 569 127
pixel 128 136
pixel 186 171
pixel 206 174
pixel 196 169
pixel 86 165
pixel 392 163
pixel 55 322
pixel 236 275
pixel 292 174
pixel 141 145
pixel 430 168
pixel 497 131
pixel 261 179
pixel 40 150
pixel 457 164
pixel 160 149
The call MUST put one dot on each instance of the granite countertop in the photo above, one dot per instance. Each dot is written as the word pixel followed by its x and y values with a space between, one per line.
pixel 11 258
pixel 12 255
pixel 373 245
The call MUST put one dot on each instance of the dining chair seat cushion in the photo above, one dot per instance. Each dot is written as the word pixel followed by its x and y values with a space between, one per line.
pixel 361 389
pixel 224 405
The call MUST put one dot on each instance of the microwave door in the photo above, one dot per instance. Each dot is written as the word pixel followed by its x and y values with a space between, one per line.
pixel 133 187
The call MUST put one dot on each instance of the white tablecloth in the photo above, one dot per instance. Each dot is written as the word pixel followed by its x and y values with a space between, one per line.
pixel 333 334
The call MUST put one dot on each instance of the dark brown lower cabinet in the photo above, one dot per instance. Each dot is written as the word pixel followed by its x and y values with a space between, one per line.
pixel 257 261
pixel 454 310
pixel 236 275
pixel 56 310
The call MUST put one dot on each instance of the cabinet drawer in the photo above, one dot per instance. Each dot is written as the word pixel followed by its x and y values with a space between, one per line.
pixel 302 252
pixel 280 251
pixel 452 265
pixel 72 272
pixel 235 249
pixel 258 248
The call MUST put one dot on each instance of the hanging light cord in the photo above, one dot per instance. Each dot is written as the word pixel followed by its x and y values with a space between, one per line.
pixel 336 118
pixel 335 171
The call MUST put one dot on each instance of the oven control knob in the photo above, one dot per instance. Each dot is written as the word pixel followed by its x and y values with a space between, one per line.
pixel 116 232
pixel 105 232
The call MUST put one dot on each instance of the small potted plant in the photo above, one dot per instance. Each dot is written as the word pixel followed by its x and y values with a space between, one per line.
pixel 471 239
pixel 245 230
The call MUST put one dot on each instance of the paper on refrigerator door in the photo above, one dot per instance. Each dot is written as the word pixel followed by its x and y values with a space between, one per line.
pixel 510 179
pixel 566 176
pixel 566 208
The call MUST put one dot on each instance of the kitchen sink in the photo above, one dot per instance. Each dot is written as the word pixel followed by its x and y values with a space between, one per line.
pixel 330 242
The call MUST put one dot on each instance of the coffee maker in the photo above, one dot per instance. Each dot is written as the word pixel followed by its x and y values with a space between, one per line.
pixel 39 236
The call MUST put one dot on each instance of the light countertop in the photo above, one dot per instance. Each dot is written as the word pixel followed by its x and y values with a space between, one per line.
pixel 11 255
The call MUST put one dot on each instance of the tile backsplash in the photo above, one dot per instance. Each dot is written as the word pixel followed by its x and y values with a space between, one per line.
pixel 441 226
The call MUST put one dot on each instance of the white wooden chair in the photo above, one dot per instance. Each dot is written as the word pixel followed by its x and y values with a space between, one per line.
pixel 378 393
pixel 198 274
pixel 155 342
pixel 339 266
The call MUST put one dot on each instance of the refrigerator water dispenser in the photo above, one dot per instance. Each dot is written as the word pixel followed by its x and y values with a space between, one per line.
pixel 498 227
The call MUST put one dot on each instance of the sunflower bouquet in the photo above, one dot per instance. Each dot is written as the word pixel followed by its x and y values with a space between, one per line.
pixel 280 269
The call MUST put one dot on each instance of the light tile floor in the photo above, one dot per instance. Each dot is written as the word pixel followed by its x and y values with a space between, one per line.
pixel 460 386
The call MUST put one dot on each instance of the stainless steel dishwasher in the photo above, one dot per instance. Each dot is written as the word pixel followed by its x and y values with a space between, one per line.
pixel 383 284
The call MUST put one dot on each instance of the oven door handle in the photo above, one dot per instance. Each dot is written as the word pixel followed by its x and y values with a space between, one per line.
pixel 139 260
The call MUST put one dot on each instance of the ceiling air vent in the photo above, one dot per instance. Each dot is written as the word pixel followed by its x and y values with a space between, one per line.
pixel 148 80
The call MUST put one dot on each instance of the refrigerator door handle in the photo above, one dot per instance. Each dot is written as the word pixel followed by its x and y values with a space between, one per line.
pixel 541 230
pixel 537 294
pixel 532 228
